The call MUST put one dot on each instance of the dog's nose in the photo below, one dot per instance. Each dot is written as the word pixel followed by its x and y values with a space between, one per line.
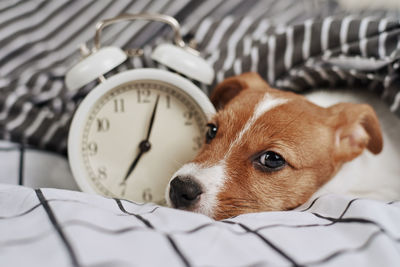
pixel 184 192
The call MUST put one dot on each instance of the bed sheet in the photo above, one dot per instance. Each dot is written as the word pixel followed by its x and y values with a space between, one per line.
pixel 68 228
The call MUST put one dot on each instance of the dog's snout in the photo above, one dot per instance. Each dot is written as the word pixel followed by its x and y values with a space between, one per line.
pixel 184 192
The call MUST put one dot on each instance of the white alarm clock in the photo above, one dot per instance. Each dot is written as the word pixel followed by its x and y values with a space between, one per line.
pixel 136 128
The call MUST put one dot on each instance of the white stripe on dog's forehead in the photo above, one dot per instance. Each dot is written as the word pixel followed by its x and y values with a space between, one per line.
pixel 266 104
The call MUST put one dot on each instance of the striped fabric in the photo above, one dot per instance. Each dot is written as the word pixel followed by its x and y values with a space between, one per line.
pixel 50 227
pixel 27 166
pixel 295 45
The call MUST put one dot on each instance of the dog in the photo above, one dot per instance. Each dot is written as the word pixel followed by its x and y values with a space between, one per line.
pixel 272 150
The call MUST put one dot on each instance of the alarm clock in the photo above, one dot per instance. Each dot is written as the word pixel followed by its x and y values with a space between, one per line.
pixel 136 128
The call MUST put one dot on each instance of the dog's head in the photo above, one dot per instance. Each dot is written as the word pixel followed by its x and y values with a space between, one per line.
pixel 267 149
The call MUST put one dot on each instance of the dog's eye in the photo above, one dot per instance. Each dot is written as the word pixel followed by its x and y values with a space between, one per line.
pixel 211 132
pixel 271 161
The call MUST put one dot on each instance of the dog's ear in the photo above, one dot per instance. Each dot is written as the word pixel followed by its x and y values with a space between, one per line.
pixel 356 128
pixel 231 87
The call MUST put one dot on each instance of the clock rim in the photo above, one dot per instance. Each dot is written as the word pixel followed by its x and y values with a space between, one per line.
pixel 75 157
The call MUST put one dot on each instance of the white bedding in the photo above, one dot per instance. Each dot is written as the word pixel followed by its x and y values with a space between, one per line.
pixel 53 227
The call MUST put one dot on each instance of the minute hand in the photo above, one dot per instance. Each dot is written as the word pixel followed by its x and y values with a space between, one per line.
pixel 144 145
pixel 153 115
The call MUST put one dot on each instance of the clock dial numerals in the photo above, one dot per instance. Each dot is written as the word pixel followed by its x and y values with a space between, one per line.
pixel 198 143
pixel 147 196
pixel 102 173
pixel 119 122
pixel 168 101
pixel 122 189
pixel 119 105
pixel 143 95
pixel 188 115
pixel 103 124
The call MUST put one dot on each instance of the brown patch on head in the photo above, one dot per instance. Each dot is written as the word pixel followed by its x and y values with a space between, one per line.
pixel 288 131
pixel 231 87
pixel 228 120
pixel 314 142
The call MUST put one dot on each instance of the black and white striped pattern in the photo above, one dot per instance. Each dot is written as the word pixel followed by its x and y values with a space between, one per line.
pixel 295 45
pixel 27 166
pixel 76 229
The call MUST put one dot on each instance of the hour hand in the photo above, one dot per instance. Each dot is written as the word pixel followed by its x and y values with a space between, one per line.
pixel 144 146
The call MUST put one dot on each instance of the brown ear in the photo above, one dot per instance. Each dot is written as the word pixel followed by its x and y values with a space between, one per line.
pixel 357 127
pixel 231 87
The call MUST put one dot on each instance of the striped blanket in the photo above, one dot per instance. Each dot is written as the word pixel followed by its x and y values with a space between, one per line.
pixel 295 45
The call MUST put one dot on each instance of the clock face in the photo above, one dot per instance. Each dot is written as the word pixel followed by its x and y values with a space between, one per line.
pixel 137 135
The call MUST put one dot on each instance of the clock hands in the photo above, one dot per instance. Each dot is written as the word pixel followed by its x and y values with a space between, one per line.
pixel 153 115
pixel 144 146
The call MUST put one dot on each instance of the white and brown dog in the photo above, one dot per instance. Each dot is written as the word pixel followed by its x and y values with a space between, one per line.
pixel 269 150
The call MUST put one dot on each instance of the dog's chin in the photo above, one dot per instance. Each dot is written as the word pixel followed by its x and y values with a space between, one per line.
pixel 195 208
pixel 202 206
